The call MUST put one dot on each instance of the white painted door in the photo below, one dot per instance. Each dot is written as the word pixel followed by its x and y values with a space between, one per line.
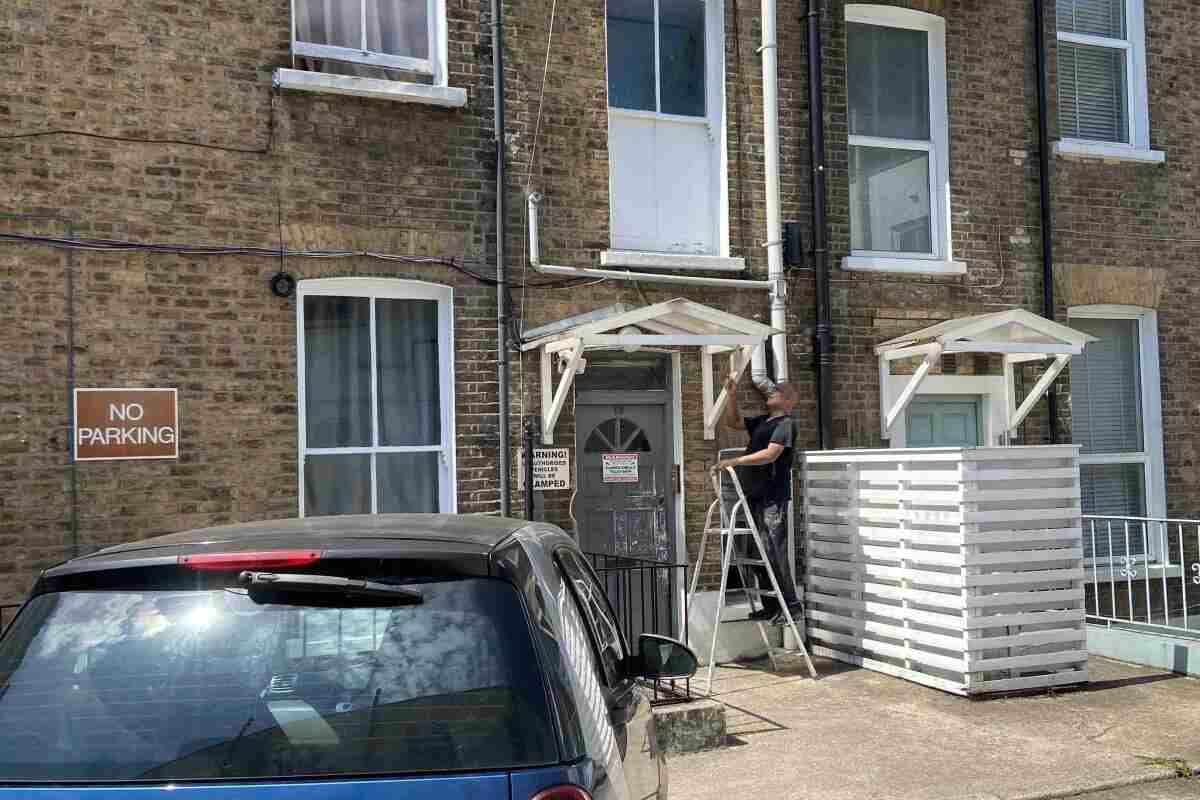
pixel 664 114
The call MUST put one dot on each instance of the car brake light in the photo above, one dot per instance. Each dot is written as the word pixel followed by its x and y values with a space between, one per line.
pixel 564 792
pixel 264 559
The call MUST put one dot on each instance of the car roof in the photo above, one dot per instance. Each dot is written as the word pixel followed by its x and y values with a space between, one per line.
pixel 460 535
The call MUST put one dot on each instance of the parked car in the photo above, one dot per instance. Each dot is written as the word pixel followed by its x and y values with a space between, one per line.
pixel 398 656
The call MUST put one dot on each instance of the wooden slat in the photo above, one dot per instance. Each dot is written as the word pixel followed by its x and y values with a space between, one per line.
pixel 1028 618
pixel 1012 515
pixel 989 475
pixel 891 669
pixel 1031 682
pixel 915 535
pixel 1000 599
pixel 1017 536
pixel 1032 576
pixel 999 495
pixel 1036 660
pixel 948 579
pixel 1025 556
pixel 1029 639
pixel 914 515
pixel 951 664
pixel 952 621
pixel 915 555
pixel 925 477
pixel 905 456
pixel 930 498
pixel 925 598
pixel 942 642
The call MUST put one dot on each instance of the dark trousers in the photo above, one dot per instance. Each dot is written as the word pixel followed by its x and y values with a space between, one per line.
pixel 771 519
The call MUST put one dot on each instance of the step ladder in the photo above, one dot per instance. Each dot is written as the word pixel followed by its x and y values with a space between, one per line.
pixel 730 532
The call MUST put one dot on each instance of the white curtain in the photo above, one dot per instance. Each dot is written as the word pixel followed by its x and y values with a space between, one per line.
pixel 394 27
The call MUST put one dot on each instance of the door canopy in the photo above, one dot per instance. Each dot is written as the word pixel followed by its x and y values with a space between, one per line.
pixel 1018 335
pixel 675 323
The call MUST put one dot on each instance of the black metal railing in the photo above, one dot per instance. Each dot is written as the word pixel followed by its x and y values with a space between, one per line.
pixel 7 613
pixel 647 597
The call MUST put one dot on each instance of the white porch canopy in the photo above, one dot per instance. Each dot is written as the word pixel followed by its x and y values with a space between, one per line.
pixel 1019 335
pixel 674 323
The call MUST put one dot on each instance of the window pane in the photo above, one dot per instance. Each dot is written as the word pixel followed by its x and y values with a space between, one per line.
pixel 1092 103
pixel 681 52
pixel 337 371
pixel 408 482
pixel 1106 396
pixel 398 27
pixel 888 81
pixel 889 200
pixel 631 54
pixel 322 22
pixel 409 386
pixel 338 484
pixel 1116 490
pixel 1095 17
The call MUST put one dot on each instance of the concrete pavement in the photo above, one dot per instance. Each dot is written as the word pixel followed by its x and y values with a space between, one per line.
pixel 855 734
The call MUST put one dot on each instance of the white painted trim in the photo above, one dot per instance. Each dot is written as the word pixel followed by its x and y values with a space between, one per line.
pixel 1136 90
pixel 910 388
pixel 676 412
pixel 1082 149
pixel 1151 388
pixel 941 261
pixel 989 388
pixel 400 91
pixel 639 259
pixel 355 55
pixel 386 288
pixel 928 266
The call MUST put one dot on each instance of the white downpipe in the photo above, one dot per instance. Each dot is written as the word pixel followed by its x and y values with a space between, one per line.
pixel 774 243
pixel 620 275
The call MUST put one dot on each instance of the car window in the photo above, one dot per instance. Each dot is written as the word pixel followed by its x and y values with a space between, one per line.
pixel 597 612
pixel 163 684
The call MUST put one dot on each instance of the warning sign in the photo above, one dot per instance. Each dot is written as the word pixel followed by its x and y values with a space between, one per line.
pixel 120 424
pixel 620 467
pixel 551 469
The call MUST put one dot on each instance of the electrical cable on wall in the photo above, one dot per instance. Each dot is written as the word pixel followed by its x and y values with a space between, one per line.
pixel 122 246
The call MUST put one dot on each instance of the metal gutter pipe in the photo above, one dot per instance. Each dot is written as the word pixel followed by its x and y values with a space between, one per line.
pixel 620 275
pixel 1047 222
pixel 816 137
pixel 774 243
pixel 502 318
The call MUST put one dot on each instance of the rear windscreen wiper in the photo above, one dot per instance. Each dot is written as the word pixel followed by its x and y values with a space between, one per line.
pixel 273 582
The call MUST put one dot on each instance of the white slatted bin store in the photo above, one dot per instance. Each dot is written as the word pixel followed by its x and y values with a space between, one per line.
pixel 957 568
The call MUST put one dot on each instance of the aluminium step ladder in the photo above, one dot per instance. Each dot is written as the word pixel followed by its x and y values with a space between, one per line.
pixel 729 532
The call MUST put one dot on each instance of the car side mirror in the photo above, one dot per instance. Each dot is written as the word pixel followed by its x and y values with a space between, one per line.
pixel 660 658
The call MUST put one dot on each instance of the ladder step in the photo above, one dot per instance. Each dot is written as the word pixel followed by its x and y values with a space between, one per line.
pixel 731 531
pixel 759 592
pixel 752 562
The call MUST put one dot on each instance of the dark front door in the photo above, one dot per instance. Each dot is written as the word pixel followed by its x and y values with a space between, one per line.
pixel 624 507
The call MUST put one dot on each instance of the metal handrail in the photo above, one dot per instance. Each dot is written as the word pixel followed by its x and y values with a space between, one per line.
pixel 1160 600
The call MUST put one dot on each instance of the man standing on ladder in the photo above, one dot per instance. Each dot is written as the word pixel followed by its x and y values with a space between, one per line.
pixel 765 472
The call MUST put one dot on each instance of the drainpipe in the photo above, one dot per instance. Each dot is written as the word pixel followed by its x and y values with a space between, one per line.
pixel 501 270
pixel 774 244
pixel 816 138
pixel 1039 49
pixel 620 275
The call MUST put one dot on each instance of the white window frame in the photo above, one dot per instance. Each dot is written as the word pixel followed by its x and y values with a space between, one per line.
pixel 939 261
pixel 1151 455
pixel 388 289
pixel 435 65
pixel 714 122
pixel 1136 93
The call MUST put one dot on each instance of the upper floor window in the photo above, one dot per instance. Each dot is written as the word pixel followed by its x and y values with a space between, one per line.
pixel 899 153
pixel 1102 105
pixel 373 38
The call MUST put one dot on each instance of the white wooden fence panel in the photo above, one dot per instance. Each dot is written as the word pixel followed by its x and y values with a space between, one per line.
pixel 957 568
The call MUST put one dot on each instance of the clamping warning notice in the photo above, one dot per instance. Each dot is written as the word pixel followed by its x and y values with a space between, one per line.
pixel 551 469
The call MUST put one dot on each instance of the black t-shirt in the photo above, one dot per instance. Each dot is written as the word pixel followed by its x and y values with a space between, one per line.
pixel 769 483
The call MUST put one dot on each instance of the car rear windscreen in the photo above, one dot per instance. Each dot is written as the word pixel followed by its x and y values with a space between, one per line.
pixel 210 684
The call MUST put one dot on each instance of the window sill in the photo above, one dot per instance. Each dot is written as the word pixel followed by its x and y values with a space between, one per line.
pixel 1069 148
pixel 397 91
pixel 640 259
pixel 919 266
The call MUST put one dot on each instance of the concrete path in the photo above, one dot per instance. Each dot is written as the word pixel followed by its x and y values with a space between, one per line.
pixel 858 735
pixel 1178 789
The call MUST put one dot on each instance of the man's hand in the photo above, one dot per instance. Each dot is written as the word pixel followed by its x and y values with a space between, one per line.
pixel 730 418
pixel 725 463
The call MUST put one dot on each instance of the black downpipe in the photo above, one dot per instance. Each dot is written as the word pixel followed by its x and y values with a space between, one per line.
pixel 816 137
pixel 1047 222
pixel 531 432
pixel 502 319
